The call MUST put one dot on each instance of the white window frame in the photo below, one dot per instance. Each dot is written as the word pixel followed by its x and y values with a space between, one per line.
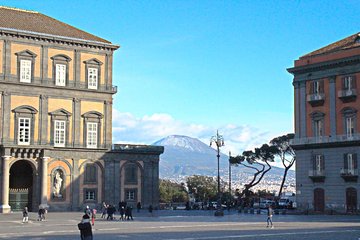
pixel 350 130
pixel 130 195
pixel 318 128
pixel 90 195
pixel 348 82
pixel 24 132
pixel 318 163
pixel 25 71
pixel 91 135
pixel 60 74
pixel 59 133
pixel 93 76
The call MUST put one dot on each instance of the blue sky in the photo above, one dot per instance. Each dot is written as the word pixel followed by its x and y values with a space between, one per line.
pixel 192 67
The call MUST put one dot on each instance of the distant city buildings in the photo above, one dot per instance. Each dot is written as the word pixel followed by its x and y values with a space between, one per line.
pixel 327 127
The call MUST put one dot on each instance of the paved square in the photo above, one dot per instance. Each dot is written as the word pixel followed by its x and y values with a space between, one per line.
pixel 188 225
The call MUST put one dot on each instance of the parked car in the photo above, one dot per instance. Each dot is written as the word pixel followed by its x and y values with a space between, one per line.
pixel 285 203
pixel 267 203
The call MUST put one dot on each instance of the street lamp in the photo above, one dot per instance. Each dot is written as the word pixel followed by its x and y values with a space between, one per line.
pixel 219 142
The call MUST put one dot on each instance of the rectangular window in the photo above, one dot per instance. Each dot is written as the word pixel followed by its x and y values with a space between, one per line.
pixel 24 131
pixel 316 87
pixel 90 195
pixel 91 135
pixel 59 133
pixel 348 83
pixel 350 161
pixel 350 126
pixel 60 75
pixel 318 128
pixel 130 195
pixel 92 78
pixel 25 71
pixel 319 163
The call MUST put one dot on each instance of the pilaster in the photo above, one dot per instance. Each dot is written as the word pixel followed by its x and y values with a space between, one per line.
pixel 6 103
pixel 5 207
pixel 76 122
pixel 332 97
pixel 44 182
pixel 43 119
pixel 302 112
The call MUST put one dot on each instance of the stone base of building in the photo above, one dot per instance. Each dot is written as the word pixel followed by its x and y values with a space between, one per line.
pixel 5 209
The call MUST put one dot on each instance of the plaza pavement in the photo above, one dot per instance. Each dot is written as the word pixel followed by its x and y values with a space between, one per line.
pixel 182 224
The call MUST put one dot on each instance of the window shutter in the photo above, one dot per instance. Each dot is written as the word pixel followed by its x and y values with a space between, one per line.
pixel 354 82
pixel 345 162
pixel 314 162
pixel 343 82
pixel 312 90
pixel 355 160
pixel 321 86
pixel 322 162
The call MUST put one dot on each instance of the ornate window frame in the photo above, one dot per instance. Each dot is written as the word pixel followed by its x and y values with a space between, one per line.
pixel 60 115
pixel 347 113
pixel 92 117
pixel 29 56
pixel 318 118
pixel 24 111
pixel 64 60
pixel 96 64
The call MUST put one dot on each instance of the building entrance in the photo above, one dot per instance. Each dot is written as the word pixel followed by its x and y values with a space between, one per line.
pixel 21 185
pixel 319 200
pixel 351 200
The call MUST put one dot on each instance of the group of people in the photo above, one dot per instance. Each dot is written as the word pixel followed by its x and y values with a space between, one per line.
pixel 41 214
pixel 125 211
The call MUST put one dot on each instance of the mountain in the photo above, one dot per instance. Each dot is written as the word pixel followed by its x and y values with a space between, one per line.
pixel 185 156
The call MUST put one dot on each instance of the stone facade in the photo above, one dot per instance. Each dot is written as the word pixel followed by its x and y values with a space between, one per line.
pixel 56 123
pixel 327 127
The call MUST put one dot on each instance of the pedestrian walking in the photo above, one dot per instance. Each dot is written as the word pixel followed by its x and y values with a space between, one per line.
pixel 122 213
pixel 85 228
pixel 88 211
pixel 270 213
pixel 138 206
pixel 128 213
pixel 41 214
pixel 103 210
pixel 25 215
pixel 150 210
pixel 93 216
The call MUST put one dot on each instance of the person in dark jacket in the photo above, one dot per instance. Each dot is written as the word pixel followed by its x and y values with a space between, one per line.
pixel 25 215
pixel 128 213
pixel 85 228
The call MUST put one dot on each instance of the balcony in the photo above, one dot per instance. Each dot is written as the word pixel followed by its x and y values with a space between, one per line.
pixel 347 95
pixel 325 139
pixel 349 175
pixel 317 175
pixel 316 99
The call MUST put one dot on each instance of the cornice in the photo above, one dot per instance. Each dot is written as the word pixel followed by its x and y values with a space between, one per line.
pixel 28 35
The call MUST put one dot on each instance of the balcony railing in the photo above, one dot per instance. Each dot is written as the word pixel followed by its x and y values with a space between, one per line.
pixel 325 139
pixel 316 98
pixel 317 175
pixel 349 175
pixel 347 95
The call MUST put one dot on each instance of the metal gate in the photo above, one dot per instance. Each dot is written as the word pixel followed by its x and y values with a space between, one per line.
pixel 18 198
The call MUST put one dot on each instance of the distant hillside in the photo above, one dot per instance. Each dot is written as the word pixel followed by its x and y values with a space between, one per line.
pixel 185 156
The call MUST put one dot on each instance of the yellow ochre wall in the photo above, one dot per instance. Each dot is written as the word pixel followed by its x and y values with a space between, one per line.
pixel 67 181
pixel 17 101
pixel 56 104
pixel 15 48
pixel 87 56
pixel 87 106
pixel 54 52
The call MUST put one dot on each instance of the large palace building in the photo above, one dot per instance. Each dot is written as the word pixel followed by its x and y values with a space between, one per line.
pixel 327 127
pixel 56 121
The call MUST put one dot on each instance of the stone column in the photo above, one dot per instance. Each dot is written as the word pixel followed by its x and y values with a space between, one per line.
pixel 44 182
pixel 5 207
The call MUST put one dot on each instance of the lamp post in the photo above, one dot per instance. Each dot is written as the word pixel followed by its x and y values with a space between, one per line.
pixel 219 142
pixel 229 172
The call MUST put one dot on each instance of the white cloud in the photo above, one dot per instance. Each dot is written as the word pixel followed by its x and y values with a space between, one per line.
pixel 145 130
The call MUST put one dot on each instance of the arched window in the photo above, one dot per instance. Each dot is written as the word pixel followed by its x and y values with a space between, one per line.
pixel 349 121
pixel 318 124
pixel 90 174
pixel 131 172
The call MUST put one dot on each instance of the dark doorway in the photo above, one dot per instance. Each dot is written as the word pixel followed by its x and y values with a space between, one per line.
pixel 319 200
pixel 21 185
pixel 351 200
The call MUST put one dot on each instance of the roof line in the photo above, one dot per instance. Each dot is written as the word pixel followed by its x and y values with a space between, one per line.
pixel 58 36
pixel 18 9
